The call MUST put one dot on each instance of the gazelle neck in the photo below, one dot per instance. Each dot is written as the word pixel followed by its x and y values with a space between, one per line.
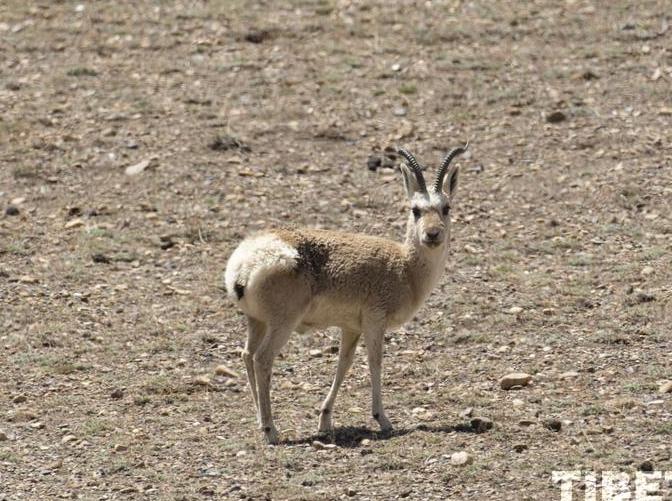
pixel 425 265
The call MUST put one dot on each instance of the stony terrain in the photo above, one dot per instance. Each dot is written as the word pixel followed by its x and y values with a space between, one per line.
pixel 139 141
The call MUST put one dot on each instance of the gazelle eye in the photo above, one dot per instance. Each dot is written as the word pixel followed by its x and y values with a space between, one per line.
pixel 416 212
pixel 445 210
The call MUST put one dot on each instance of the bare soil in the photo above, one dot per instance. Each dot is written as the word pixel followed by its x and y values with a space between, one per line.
pixel 139 142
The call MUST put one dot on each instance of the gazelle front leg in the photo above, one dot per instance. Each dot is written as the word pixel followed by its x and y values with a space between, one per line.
pixel 346 354
pixel 375 336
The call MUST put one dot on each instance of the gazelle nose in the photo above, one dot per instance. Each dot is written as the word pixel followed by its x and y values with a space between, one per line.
pixel 433 234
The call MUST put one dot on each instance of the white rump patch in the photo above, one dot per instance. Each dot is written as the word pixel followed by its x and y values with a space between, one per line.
pixel 260 254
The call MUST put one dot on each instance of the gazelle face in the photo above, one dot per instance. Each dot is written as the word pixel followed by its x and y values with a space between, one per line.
pixel 430 217
pixel 429 222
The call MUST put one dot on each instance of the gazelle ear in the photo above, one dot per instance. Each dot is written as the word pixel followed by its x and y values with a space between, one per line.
pixel 410 181
pixel 450 182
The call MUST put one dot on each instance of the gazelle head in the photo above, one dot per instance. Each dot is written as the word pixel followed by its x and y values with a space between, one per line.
pixel 429 221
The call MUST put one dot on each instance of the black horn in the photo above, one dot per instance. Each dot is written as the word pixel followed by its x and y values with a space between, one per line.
pixel 415 167
pixel 446 163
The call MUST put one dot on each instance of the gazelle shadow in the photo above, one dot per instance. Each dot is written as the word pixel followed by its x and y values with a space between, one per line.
pixel 352 436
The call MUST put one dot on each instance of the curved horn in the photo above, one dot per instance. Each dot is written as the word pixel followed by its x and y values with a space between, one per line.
pixel 415 167
pixel 446 163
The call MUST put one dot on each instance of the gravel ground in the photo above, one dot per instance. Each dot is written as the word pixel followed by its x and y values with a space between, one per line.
pixel 139 141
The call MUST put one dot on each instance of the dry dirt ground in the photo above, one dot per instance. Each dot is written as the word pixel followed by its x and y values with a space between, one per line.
pixel 236 115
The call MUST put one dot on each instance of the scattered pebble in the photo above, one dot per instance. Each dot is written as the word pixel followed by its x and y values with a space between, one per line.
pixel 555 117
pixel 646 466
pixel 374 162
pixel 38 425
pixel 136 169
pixel 461 458
pixel 315 353
pixel 68 438
pixel 666 387
pixel 256 36
pixel 223 370
pixel 12 210
pixel 515 379
pixel 202 380
pixel 3 436
pixel 321 446
pixel 74 223
pixel 553 425
pixel 647 270
pixel 481 424
pixel 350 492
pixel 120 448
pixel 100 258
pixel 514 310
pixel 569 375
pixel 117 393
pixel 520 447
pixel 19 399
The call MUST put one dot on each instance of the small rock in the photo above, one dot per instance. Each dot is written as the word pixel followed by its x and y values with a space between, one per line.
pixel 136 169
pixel 3 436
pixel 19 399
pixel 117 393
pixel 257 36
pixel 374 162
pixel 315 353
pixel 666 387
pixel 120 448
pixel 68 438
pixel 555 117
pixel 461 459
pixel 520 447
pixel 467 412
pixel 331 349
pixel 37 425
pixel 350 492
pixel 553 425
pixel 526 422
pixel 647 270
pixel 396 67
pixel 517 402
pixel 202 380
pixel 321 446
pixel 514 310
pixel 365 442
pixel 12 210
pixel 100 258
pixel 481 424
pixel 646 466
pixel 223 370
pixel 240 454
pixel 225 143
pixel 74 223
pixel 399 111
pixel 514 379
pixel 569 375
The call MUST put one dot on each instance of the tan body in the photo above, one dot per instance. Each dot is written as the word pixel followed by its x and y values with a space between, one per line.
pixel 299 279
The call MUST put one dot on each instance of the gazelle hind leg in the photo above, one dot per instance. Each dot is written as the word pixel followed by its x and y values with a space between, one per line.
pixel 255 335
pixel 346 354
pixel 275 339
